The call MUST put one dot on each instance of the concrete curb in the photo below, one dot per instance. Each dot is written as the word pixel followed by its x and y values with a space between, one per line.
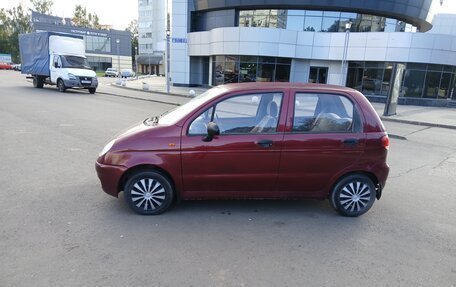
pixel 141 99
pixel 417 123
pixel 152 91
pixel 397 137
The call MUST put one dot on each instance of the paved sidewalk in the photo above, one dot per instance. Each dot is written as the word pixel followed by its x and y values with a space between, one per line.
pixel 417 115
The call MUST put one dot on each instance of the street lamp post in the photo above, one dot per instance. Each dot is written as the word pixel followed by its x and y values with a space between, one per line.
pixel 168 33
pixel 118 55
pixel 136 62
pixel 343 69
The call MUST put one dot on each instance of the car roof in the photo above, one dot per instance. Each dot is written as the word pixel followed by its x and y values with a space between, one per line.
pixel 286 85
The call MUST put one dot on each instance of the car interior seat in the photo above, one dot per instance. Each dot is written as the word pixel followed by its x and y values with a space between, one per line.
pixel 269 122
pixel 330 122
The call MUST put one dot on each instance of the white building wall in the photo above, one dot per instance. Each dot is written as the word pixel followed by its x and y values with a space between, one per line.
pixel 159 25
pixel 382 46
pixel 144 26
pixel 179 58
pixel 444 24
pixel 152 20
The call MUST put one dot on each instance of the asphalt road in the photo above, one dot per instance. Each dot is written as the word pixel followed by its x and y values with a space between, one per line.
pixel 58 228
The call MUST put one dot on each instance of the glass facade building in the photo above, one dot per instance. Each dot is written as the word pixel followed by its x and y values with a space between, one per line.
pixel 239 69
pixel 321 21
pixel 232 41
pixel 419 80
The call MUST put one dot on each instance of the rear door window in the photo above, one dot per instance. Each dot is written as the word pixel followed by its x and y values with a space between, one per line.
pixel 325 113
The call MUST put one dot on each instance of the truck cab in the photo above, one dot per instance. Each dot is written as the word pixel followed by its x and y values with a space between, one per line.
pixel 68 71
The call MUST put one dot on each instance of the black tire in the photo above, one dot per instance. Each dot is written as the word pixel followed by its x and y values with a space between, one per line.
pixel 38 82
pixel 148 193
pixel 353 195
pixel 92 90
pixel 61 86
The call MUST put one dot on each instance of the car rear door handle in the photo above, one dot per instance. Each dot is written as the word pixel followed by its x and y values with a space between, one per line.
pixel 264 143
pixel 351 142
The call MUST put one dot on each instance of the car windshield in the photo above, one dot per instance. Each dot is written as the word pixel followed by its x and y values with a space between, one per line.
pixel 173 116
pixel 75 62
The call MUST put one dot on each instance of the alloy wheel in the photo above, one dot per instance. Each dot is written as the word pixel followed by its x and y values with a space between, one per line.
pixel 148 194
pixel 355 196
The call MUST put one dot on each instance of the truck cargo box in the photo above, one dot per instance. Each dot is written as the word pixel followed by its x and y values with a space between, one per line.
pixel 34 50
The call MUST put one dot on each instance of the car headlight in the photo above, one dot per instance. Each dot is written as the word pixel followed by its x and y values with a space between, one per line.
pixel 71 76
pixel 107 148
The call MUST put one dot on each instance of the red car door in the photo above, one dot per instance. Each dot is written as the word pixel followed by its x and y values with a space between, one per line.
pixel 243 161
pixel 323 139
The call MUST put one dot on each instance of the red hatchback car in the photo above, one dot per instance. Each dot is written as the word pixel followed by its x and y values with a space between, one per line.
pixel 253 140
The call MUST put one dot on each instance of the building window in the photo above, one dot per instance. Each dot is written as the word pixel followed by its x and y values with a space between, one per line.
pixel 419 80
pixel 234 69
pixel 319 21
pixel 99 63
pixel 98 44
pixel 318 75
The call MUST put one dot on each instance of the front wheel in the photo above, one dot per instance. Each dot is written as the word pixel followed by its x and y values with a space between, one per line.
pixel 92 90
pixel 61 86
pixel 353 196
pixel 148 193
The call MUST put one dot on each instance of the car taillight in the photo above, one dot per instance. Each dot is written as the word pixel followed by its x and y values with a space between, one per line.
pixel 385 142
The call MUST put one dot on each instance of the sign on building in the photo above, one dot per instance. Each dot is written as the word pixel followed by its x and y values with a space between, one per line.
pixel 5 58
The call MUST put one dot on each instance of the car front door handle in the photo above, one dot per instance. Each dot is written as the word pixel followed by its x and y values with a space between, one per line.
pixel 264 143
pixel 351 142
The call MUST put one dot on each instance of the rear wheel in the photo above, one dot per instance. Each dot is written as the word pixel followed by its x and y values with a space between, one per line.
pixel 353 195
pixel 148 193
pixel 92 90
pixel 61 85
pixel 38 82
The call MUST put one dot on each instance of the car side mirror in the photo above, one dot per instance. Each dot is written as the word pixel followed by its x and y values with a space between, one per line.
pixel 56 65
pixel 212 131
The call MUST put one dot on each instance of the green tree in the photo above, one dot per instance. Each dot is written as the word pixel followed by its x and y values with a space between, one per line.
pixel 43 6
pixel 13 22
pixel 133 29
pixel 82 18
pixel 4 32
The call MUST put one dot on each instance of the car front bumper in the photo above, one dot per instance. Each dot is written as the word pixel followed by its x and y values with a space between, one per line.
pixel 78 84
pixel 110 176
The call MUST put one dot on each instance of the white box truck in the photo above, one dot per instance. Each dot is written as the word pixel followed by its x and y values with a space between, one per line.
pixel 56 59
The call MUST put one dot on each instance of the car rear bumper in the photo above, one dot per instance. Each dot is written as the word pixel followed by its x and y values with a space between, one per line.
pixel 381 171
pixel 110 176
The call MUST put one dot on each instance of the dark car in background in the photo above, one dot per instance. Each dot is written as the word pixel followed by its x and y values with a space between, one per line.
pixel 252 141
